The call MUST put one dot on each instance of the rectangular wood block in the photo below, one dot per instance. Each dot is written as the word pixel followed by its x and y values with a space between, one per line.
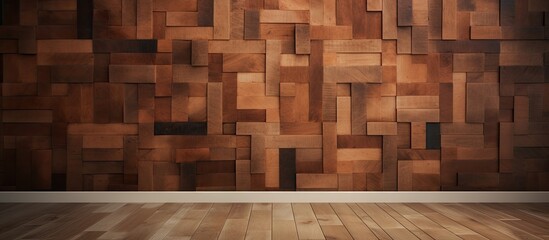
pixel 354 154
pixel 192 155
pixel 221 19
pixel 214 108
pixel 272 68
pixel 353 46
pixel 287 163
pixel 303 39
pixel 353 74
pixel 329 147
pixel 449 19
pixel 174 19
pixel 243 62
pixel 343 115
pixel 199 53
pixel 282 16
pixel 468 62
pixel 381 128
pixel 132 74
pixel 189 74
pixel 316 181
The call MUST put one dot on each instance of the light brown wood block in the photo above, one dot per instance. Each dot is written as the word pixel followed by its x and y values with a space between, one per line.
pixel 282 16
pixel 381 128
pixel 233 62
pixel 272 168
pixel 343 116
pixel 257 163
pixel 353 46
pixel 475 102
pixel 449 19
pixel 352 74
pixel 221 19
pixel 405 172
pixel 272 68
pixel 293 141
pixel 331 32
pixel 215 111
pixel 236 46
pixel 418 115
pixel 374 5
pixel 293 5
pixel 179 19
pixel 357 154
pixel 302 39
pixel 329 147
pixel 418 135
pixel 316 181
pixel 189 33
pixel 415 102
pixel 486 32
pixel 459 98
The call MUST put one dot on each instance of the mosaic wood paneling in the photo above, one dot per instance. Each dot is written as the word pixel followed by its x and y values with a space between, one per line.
pixel 274 95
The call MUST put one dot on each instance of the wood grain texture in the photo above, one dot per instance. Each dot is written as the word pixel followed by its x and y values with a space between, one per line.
pixel 275 95
pixel 276 221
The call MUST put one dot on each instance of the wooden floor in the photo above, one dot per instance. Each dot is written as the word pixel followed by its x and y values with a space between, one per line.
pixel 274 221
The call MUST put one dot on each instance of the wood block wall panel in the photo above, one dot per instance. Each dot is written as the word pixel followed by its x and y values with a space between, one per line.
pixel 274 95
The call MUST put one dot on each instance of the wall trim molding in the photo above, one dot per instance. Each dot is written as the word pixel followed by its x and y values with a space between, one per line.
pixel 273 197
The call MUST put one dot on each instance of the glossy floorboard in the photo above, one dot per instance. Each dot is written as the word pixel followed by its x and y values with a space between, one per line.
pixel 274 221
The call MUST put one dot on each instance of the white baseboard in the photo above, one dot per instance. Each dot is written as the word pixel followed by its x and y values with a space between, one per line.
pixel 272 197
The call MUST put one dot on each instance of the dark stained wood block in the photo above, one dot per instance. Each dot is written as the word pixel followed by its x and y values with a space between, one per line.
pixel 433 135
pixel 205 12
pixel 215 67
pixel 251 115
pixel 251 24
pixel 181 128
pixel 287 163
pixel 84 13
pixel 125 46
pixel 72 73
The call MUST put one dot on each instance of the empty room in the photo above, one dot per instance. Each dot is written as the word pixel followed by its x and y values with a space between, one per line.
pixel 274 119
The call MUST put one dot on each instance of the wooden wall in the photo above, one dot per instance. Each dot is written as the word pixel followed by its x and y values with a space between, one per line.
pixel 274 95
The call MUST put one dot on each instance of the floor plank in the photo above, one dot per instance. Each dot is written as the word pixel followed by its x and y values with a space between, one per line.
pixel 284 227
pixel 237 222
pixel 386 222
pixel 306 222
pixel 330 223
pixel 211 225
pixel 352 222
pixel 285 221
